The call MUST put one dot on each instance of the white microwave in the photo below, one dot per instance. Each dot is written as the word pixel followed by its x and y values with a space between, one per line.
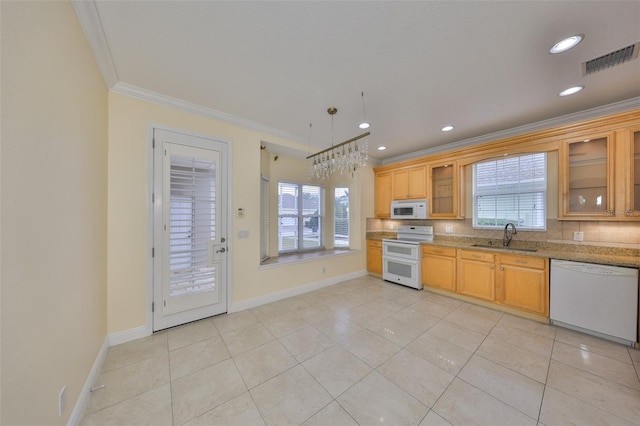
pixel 409 209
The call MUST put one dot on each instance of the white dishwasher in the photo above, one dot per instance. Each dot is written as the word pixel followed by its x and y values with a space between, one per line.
pixel 596 299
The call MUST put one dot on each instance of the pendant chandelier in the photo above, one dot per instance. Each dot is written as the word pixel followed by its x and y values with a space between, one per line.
pixel 346 157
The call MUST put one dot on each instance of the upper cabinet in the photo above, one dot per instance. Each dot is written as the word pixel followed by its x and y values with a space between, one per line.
pixel 382 195
pixel 443 190
pixel 600 176
pixel 586 177
pixel 631 177
pixel 409 183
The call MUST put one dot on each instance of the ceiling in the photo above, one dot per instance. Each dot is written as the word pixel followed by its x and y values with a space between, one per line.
pixel 481 66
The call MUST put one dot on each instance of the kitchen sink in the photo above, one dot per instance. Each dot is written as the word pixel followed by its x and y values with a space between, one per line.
pixel 493 246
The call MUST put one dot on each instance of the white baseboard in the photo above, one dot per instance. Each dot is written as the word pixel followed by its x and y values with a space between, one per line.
pixel 295 291
pixel 128 335
pixel 83 398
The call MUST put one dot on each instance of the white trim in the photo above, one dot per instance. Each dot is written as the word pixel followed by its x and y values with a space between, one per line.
pixel 182 105
pixel 92 26
pixel 295 291
pixel 83 399
pixel 128 335
pixel 610 109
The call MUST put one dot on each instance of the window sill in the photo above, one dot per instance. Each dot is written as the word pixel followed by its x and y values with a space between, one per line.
pixel 287 259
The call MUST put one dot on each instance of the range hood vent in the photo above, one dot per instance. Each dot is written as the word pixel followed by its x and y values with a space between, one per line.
pixel 611 59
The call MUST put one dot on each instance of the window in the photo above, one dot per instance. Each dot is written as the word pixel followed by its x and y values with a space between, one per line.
pixel 341 217
pixel 299 217
pixel 511 190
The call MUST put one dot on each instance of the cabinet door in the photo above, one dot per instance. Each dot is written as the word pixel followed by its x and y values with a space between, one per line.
pixel 476 275
pixel 632 177
pixel 524 283
pixel 382 195
pixel 374 256
pixel 586 174
pixel 439 268
pixel 409 183
pixel 443 190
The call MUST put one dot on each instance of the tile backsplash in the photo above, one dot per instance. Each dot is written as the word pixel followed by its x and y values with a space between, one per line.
pixel 621 234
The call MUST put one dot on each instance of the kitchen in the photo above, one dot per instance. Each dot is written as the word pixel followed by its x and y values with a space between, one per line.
pixel 571 230
pixel 80 129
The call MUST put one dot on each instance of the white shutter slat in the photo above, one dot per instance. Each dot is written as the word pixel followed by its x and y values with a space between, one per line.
pixel 191 225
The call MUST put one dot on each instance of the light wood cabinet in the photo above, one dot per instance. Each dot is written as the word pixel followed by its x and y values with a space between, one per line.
pixel 409 183
pixel 523 283
pixel 476 274
pixel 600 176
pixel 443 190
pixel 374 256
pixel 439 267
pixel 382 195
pixel 586 177
pixel 628 175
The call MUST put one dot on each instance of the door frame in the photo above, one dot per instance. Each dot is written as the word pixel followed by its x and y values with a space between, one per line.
pixel 148 328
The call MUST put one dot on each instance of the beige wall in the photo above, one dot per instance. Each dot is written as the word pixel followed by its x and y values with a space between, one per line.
pixel 129 119
pixel 54 201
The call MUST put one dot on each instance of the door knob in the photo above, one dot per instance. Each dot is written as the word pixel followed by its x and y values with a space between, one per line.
pixel 222 250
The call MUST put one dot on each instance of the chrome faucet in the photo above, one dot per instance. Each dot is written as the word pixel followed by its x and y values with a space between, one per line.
pixel 508 234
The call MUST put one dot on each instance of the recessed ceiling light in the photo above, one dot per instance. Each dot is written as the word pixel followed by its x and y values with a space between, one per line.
pixel 566 44
pixel 447 128
pixel 382 148
pixel 571 91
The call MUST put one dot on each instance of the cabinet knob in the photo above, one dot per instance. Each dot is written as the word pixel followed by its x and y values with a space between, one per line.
pixel 492 267
pixel 502 268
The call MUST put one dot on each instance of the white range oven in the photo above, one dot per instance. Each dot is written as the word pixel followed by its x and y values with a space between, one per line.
pixel 401 256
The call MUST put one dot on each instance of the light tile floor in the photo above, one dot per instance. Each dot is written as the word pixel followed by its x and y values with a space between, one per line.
pixel 368 352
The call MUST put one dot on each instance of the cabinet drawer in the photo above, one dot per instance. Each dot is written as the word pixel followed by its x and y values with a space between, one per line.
pixel 374 243
pixel 476 255
pixel 439 251
pixel 524 261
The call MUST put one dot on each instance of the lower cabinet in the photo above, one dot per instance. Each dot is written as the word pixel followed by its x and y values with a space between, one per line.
pixel 374 256
pixel 523 283
pixel 439 267
pixel 520 282
pixel 477 274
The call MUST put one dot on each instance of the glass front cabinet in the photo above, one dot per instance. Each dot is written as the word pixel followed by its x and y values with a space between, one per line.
pixel 600 176
pixel 444 190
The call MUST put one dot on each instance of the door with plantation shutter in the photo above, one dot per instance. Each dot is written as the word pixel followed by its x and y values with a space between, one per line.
pixel 190 250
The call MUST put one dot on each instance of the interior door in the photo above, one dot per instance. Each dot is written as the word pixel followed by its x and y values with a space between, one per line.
pixel 190 250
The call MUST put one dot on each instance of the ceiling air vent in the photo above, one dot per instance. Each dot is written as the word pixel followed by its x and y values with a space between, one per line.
pixel 611 59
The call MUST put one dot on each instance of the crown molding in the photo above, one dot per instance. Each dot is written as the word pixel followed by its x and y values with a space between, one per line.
pixel 182 105
pixel 90 21
pixel 585 115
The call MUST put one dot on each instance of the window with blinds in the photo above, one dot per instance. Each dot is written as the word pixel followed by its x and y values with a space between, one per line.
pixel 264 218
pixel 299 217
pixel 341 217
pixel 191 225
pixel 512 189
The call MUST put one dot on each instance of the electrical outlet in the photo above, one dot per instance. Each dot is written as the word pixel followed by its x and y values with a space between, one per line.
pixel 448 229
pixel 62 400
pixel 578 236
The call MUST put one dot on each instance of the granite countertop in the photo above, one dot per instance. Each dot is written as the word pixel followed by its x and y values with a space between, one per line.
pixel 577 252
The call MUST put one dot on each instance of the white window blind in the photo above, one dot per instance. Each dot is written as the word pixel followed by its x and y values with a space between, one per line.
pixel 264 218
pixel 299 217
pixel 191 225
pixel 341 217
pixel 511 190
